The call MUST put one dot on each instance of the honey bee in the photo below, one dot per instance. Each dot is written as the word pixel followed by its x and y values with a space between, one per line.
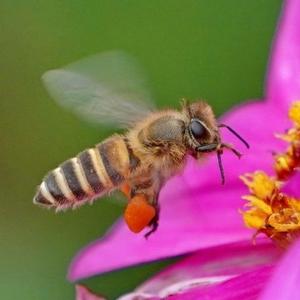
pixel 109 88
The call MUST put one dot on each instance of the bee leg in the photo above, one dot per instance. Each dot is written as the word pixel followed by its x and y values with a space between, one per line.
pixel 142 209
pixel 158 180
pixel 139 213
pixel 154 222
pixel 126 190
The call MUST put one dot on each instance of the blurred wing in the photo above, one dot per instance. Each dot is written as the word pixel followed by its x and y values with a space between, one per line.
pixel 107 88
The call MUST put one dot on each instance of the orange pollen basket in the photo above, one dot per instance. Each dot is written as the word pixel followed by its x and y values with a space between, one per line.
pixel 138 213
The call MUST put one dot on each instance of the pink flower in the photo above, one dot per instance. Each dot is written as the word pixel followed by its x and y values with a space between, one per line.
pixel 200 217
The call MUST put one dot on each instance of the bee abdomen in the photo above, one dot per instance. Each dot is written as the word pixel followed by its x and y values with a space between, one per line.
pixel 77 180
pixel 90 174
pixel 54 190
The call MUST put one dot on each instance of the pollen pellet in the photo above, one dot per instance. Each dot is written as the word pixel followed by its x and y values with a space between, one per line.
pixel 138 213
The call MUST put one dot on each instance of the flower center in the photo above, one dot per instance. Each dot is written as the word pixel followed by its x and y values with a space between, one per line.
pixel 269 210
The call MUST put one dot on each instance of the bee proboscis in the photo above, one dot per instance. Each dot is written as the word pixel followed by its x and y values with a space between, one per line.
pixel 141 160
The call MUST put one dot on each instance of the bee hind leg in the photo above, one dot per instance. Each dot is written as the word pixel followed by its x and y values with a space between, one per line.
pixel 155 196
pixel 154 222
pixel 142 209
pixel 157 183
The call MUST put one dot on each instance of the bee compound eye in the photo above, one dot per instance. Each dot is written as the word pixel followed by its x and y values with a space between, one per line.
pixel 197 129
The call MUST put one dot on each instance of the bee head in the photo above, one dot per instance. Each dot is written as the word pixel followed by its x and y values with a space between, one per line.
pixel 202 131
pixel 201 126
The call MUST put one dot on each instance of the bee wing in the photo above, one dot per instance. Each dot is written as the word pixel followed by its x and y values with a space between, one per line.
pixel 106 88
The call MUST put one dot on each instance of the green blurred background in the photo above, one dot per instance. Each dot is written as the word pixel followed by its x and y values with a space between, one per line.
pixel 216 49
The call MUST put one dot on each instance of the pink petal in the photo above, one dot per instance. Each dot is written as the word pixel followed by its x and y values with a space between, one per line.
pixel 220 261
pixel 208 267
pixel 292 186
pixel 82 293
pixel 187 228
pixel 139 296
pixel 246 287
pixel 285 283
pixel 283 81
pixel 179 288
pixel 196 211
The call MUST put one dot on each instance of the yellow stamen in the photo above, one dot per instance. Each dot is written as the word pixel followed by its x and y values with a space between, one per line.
pixel 256 202
pixel 284 165
pixel 260 184
pixel 252 220
pixel 294 113
pixel 269 210
pixel 285 221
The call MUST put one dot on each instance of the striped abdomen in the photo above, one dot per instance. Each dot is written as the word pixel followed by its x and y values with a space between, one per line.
pixel 90 174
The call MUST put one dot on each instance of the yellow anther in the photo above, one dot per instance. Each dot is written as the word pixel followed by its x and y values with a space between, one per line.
pixel 260 204
pixel 295 204
pixel 286 220
pixel 284 165
pixel 294 113
pixel 252 220
pixel 269 210
pixel 260 184
pixel 283 161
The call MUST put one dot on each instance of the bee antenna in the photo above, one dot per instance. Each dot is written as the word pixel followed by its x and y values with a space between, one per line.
pixel 235 133
pixel 219 156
